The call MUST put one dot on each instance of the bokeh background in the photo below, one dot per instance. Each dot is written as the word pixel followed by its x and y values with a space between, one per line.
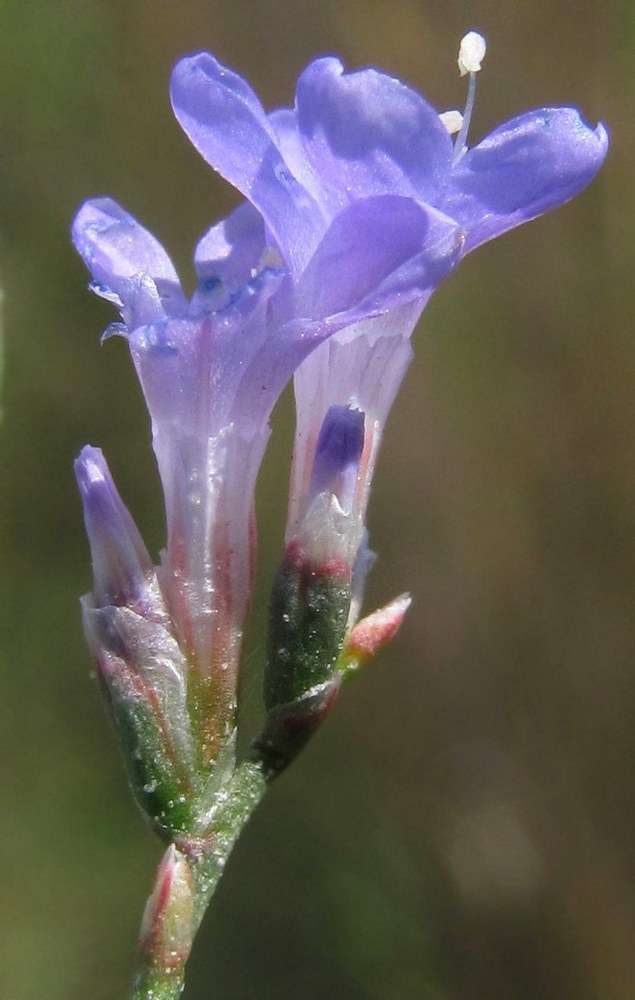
pixel 463 826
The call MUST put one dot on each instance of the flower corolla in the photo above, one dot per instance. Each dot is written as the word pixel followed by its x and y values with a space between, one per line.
pixel 357 207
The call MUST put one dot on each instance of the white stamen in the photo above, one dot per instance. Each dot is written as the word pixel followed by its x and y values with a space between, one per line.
pixel 471 52
pixel 452 121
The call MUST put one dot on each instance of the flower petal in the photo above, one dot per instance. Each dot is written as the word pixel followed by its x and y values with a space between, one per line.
pixel 129 266
pixel 366 133
pixel 229 258
pixel 123 573
pixel 337 455
pixel 334 295
pixel 284 122
pixel 376 248
pixel 225 121
pixel 230 249
pixel 190 369
pixel 524 168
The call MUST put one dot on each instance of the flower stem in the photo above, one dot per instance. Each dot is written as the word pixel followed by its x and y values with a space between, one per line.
pixel 153 985
pixel 186 882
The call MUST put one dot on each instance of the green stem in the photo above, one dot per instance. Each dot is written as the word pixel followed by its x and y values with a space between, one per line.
pixel 161 972
pixel 151 984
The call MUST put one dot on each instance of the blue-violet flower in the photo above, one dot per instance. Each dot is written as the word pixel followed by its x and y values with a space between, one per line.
pixel 357 206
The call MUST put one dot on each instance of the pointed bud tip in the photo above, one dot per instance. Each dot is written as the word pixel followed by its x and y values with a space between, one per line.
pixel 90 468
pixel 121 564
pixel 167 925
pixel 376 630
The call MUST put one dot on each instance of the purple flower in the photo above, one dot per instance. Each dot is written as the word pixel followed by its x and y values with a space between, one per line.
pixel 340 181
pixel 279 275
pixel 361 135
pixel 358 205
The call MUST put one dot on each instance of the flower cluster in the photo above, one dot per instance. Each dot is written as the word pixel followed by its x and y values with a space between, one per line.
pixel 358 204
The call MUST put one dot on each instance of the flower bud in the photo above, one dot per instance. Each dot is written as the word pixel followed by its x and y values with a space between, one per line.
pixel 373 632
pixel 167 928
pixel 311 596
pixel 123 574
pixel 141 668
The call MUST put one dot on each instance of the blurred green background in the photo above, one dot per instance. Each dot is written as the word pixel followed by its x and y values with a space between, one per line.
pixel 463 826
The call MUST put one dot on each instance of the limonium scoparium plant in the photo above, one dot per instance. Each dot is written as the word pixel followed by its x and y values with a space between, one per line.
pixel 358 204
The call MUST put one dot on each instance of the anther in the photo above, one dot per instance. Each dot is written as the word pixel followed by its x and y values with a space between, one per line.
pixel 471 54
pixel 452 120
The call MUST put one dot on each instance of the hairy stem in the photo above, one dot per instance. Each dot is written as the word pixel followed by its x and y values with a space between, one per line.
pixel 186 881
